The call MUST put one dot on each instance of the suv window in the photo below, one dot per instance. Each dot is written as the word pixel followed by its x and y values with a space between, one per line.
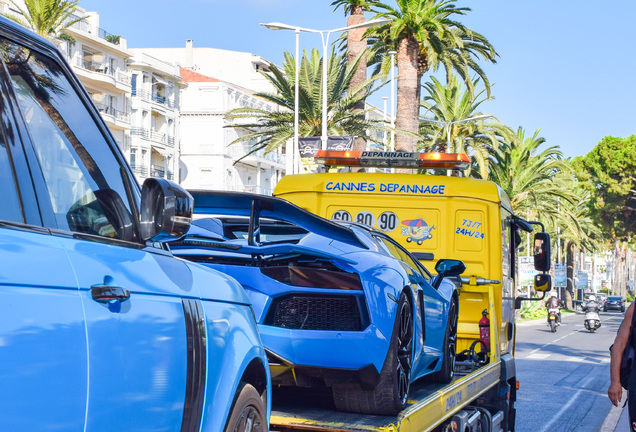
pixel 83 177
pixel 10 208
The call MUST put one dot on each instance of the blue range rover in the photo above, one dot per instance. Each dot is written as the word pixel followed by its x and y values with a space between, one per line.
pixel 101 328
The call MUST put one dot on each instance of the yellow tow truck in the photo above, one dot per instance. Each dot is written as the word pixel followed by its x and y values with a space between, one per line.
pixel 434 217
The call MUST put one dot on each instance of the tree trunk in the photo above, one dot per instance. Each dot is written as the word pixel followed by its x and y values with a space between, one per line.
pixel 355 45
pixel 570 251
pixel 408 104
pixel 622 279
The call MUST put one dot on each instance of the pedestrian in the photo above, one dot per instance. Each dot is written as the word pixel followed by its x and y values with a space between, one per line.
pixel 615 391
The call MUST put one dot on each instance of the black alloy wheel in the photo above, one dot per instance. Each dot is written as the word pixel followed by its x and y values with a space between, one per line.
pixel 404 351
pixel 248 411
pixel 391 392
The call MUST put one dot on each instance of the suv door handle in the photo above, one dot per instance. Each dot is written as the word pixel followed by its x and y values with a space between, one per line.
pixel 107 293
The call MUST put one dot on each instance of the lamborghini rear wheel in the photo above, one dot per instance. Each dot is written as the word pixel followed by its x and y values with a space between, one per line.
pixel 391 392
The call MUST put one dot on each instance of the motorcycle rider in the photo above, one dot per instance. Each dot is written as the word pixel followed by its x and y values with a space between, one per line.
pixel 591 305
pixel 555 303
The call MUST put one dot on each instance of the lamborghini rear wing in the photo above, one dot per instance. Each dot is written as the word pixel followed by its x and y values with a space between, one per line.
pixel 257 206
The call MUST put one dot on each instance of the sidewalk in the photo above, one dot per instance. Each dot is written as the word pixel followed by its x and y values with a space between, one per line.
pixel 618 418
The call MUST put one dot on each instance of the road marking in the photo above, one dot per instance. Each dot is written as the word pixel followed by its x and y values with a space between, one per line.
pixel 538 356
pixel 567 405
pixel 550 343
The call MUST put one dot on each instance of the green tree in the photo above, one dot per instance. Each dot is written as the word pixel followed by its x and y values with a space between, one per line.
pixel 48 18
pixel 608 173
pixel 451 103
pixel 533 179
pixel 269 130
pixel 426 36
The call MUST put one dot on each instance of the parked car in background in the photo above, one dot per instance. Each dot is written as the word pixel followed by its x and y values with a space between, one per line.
pixel 614 303
pixel 102 328
pixel 341 305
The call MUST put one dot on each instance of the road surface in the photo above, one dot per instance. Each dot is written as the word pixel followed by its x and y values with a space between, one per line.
pixel 564 376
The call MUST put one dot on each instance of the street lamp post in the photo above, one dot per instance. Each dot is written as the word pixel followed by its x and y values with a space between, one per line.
pixel 384 98
pixel 324 35
pixel 296 149
pixel 392 54
pixel 448 128
pixel 449 124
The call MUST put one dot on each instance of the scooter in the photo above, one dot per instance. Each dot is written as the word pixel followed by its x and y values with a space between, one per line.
pixel 553 319
pixel 592 321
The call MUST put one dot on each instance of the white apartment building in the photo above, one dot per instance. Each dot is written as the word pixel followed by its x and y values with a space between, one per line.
pixel 154 108
pixel 99 60
pixel 207 159
pixel 136 94
pixel 234 67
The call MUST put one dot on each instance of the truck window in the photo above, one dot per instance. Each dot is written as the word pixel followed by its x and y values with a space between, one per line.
pixel 10 208
pixel 82 175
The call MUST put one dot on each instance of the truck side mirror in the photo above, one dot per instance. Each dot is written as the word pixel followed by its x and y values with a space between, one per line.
pixel 542 282
pixel 166 210
pixel 542 251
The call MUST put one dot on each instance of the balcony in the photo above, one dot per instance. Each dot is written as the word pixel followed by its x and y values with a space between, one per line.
pixel 148 97
pixel 258 190
pixel 160 172
pixel 140 170
pixel 101 68
pixel 240 149
pixel 85 27
pixel 154 136
pixel 140 132
pixel 108 110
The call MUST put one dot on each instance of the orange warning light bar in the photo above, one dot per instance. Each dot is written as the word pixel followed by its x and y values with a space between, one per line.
pixel 382 159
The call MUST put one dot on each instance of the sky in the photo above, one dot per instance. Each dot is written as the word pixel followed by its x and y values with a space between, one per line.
pixel 565 67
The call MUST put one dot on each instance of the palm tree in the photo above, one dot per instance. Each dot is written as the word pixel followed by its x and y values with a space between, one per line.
pixel 584 235
pixel 48 18
pixel 425 36
pixel 541 185
pixel 269 130
pixel 534 180
pixel 356 44
pixel 450 103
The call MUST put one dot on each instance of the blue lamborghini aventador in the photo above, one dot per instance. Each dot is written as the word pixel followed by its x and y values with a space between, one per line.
pixel 340 305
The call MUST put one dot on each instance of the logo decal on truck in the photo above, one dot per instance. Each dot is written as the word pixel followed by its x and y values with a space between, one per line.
pixel 418 189
pixel 417 230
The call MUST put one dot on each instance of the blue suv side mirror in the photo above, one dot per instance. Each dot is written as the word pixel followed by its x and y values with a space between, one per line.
pixel 166 210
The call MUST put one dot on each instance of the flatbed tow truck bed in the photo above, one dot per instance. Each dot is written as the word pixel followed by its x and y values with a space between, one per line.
pixel 429 406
